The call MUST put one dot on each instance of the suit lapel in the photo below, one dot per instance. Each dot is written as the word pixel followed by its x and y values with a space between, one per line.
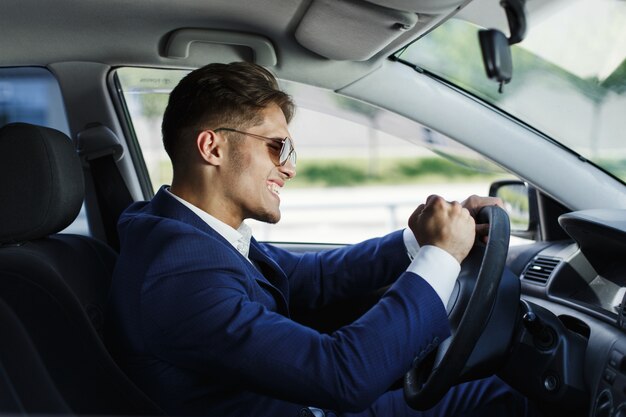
pixel 269 275
pixel 272 274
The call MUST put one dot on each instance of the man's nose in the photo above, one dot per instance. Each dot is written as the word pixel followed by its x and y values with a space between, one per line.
pixel 288 170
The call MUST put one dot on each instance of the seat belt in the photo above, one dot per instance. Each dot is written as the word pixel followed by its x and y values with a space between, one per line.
pixel 99 149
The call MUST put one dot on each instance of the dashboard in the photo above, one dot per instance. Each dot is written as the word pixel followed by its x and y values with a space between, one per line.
pixel 573 355
pixel 571 350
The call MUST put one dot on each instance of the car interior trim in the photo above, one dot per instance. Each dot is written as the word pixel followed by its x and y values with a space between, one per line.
pixel 179 43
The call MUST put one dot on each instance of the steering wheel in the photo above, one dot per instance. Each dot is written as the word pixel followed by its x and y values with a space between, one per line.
pixel 479 279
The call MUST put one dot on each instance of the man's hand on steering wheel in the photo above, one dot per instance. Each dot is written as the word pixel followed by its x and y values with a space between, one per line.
pixel 448 226
pixel 477 293
pixel 444 224
pixel 473 204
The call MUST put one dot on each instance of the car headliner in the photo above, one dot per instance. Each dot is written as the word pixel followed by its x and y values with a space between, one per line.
pixel 80 41
pixel 121 32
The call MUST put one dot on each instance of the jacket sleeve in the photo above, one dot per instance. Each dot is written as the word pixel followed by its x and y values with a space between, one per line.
pixel 202 317
pixel 318 278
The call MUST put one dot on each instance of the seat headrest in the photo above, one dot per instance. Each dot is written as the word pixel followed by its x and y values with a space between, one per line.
pixel 41 182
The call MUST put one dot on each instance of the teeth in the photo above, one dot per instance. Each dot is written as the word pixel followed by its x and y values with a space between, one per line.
pixel 273 187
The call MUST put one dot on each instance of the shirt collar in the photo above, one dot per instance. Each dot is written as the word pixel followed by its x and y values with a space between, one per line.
pixel 239 238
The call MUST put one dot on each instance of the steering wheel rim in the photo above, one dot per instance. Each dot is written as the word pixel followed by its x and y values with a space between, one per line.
pixel 423 393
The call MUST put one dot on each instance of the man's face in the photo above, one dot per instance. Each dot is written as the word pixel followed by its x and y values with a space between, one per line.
pixel 254 180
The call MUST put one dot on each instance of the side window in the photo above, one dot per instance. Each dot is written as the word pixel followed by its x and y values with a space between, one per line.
pixel 361 170
pixel 32 95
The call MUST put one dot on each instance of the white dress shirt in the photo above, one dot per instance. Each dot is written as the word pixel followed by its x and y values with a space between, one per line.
pixel 436 266
pixel 239 238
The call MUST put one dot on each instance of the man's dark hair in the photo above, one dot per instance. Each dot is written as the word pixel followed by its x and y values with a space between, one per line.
pixel 219 95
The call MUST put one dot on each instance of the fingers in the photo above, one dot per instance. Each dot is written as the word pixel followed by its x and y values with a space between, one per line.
pixel 474 203
pixel 433 202
pixel 448 226
pixel 445 224
pixel 482 232
pixel 415 216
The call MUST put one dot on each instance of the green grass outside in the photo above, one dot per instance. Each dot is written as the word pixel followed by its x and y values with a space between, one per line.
pixel 357 172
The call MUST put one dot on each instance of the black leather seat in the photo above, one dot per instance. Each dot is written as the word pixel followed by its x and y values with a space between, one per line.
pixel 57 284
pixel 25 385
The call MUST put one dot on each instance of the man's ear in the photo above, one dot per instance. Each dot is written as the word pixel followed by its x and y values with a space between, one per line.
pixel 210 147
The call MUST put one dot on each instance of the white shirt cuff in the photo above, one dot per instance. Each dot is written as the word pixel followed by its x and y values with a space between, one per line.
pixel 412 247
pixel 438 268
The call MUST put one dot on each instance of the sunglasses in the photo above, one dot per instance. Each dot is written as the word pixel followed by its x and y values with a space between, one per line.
pixel 286 153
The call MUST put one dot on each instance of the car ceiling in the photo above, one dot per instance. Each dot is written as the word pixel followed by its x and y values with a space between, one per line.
pixel 80 40
pixel 121 32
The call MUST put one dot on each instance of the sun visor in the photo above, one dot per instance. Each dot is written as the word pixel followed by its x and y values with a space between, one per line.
pixel 352 30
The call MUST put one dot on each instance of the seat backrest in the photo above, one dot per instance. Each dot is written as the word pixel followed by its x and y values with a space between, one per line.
pixel 25 385
pixel 57 284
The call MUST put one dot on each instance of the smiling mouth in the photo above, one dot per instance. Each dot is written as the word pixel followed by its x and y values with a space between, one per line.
pixel 274 188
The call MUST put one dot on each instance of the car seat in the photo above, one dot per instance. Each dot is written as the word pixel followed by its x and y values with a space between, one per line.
pixel 25 385
pixel 57 284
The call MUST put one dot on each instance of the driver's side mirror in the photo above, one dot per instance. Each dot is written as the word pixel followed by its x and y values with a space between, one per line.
pixel 520 202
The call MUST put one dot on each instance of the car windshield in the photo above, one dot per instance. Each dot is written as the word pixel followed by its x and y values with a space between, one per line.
pixel 569 74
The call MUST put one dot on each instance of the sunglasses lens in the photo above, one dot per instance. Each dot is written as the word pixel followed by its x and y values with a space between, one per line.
pixel 287 152
pixel 292 157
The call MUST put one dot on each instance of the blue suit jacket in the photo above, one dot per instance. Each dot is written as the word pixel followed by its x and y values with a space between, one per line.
pixel 204 332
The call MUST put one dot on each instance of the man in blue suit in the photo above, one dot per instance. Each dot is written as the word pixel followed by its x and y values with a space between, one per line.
pixel 200 311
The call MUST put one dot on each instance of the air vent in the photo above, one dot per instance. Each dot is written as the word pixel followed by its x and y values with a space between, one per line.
pixel 540 269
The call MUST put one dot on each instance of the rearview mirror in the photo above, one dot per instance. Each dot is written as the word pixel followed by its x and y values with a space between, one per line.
pixel 495 46
pixel 496 56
